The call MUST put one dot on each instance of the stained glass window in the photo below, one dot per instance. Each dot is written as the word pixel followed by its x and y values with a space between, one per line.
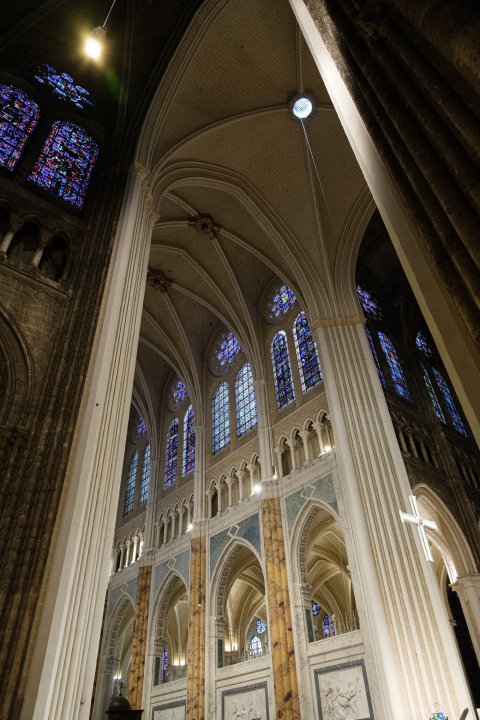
pixel 308 365
pixel 398 378
pixel 450 403
pixel 63 86
pixel 18 117
pixel 433 397
pixel 282 301
pixel 255 647
pixel 178 393
pixel 422 344
pixel 220 418
pixel 66 163
pixel 281 370
pixel 328 626
pixel 246 404
pixel 226 353
pixel 141 427
pixel 261 626
pixel 131 482
pixel 315 608
pixel 145 475
pixel 375 358
pixel 172 451
pixel 165 665
pixel 368 302
pixel 188 441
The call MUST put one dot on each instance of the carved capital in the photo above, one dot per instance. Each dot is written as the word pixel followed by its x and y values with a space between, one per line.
pixel 144 175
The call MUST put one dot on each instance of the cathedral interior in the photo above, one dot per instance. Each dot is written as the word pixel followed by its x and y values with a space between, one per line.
pixel 239 360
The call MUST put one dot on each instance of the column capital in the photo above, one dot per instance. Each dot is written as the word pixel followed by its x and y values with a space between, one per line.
pixel 144 174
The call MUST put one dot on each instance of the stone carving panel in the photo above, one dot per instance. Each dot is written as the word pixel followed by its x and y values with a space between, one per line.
pixel 246 703
pixel 342 692
pixel 170 711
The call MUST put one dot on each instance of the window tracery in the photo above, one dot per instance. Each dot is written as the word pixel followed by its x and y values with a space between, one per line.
pixel 282 372
pixel 177 395
pixel 255 647
pixel 131 483
pixel 63 86
pixel 189 441
pixel 18 118
pixel 369 303
pixel 145 475
pixel 245 400
pixel 432 394
pixel 450 403
pixel 66 162
pixel 423 345
pixel 375 358
pixel 171 454
pixel 220 418
pixel 307 357
pixel 226 352
pixel 396 372
pixel 282 301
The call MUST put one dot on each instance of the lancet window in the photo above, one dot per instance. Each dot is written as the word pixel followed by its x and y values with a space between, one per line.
pixel 375 358
pixel 171 454
pixel 246 404
pixel 188 441
pixel 145 475
pixel 131 483
pixel 432 394
pixel 220 418
pixel 18 118
pixel 255 647
pixel 66 163
pixel 396 372
pixel 450 403
pixel 282 372
pixel 307 357
pixel 369 303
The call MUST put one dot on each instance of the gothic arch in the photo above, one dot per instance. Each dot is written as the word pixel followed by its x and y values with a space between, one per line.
pixel 221 581
pixel 16 373
pixel 169 587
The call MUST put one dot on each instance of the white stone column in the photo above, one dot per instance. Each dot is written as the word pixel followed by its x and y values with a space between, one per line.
pixel 228 480
pixel 304 434
pixel 15 223
pixel 199 488
pixel 64 658
pixel 409 645
pixel 151 536
pixel 467 588
pixel 318 429
pixel 241 477
pixel 292 445
pixel 264 431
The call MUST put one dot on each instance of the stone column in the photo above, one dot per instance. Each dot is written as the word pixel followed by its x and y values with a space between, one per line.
pixel 292 445
pixel 218 485
pixel 64 658
pixel 264 430
pixel 139 641
pixel 165 530
pixel 196 628
pixel 278 456
pixel 281 636
pixel 152 536
pixel 396 587
pixel 467 588
pixel 304 434
pixel 240 476
pixel 15 223
pixel 318 429
pixel 135 546
pixel 199 487
pixel 228 480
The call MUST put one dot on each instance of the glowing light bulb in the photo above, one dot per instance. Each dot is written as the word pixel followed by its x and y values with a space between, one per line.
pixel 302 108
pixel 189 527
pixel 327 448
pixel 94 42
pixel 257 488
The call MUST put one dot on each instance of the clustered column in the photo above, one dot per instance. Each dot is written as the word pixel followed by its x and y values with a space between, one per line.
pixel 196 630
pixel 139 641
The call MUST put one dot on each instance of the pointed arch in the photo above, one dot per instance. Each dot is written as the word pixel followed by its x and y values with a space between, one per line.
pixel 307 356
pixel 220 418
pixel 245 400
pixel 282 372
pixel 171 455
pixel 396 372
pixel 131 484
pixel 189 441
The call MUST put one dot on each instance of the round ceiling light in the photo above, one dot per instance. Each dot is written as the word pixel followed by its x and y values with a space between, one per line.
pixel 302 107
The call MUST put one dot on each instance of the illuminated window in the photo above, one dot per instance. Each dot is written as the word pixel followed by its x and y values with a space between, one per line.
pixel 281 370
pixel 18 117
pixel 188 441
pixel 246 404
pixel 375 358
pixel 172 452
pixel 398 378
pixel 145 475
pixel 422 344
pixel 255 647
pixel 261 626
pixel 328 626
pixel 369 304
pixel 433 397
pixel 452 408
pixel 141 427
pixel 226 353
pixel 178 393
pixel 63 86
pixel 131 482
pixel 165 665
pixel 282 301
pixel 66 163
pixel 315 608
pixel 308 365
pixel 220 418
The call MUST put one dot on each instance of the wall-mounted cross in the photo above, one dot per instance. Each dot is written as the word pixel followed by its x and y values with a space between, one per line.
pixel 421 523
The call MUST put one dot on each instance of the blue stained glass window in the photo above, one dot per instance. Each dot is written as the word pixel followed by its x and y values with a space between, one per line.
pixel 189 441
pixel 315 608
pixel 449 401
pixel 226 352
pixel 261 626
pixel 66 163
pixel 164 665
pixel 328 626
pixel 308 365
pixel 172 452
pixel 145 475
pixel 246 404
pixel 141 427
pixel 131 482
pixel 282 301
pixel 220 418
pixel 18 117
pixel 178 393
pixel 369 304
pixel 63 86
pixel 255 647
pixel 282 373
pixel 422 344
pixel 433 397
pixel 398 378
pixel 375 358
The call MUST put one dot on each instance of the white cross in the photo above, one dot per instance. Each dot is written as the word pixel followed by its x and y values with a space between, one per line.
pixel 422 523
